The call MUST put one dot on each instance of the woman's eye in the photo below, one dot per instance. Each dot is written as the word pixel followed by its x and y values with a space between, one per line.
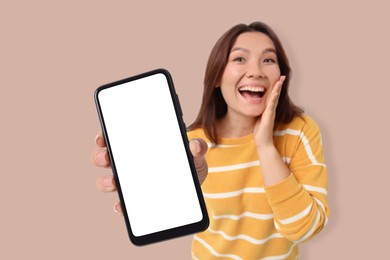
pixel 239 59
pixel 269 60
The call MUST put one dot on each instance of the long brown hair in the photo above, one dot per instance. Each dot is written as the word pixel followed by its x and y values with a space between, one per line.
pixel 214 106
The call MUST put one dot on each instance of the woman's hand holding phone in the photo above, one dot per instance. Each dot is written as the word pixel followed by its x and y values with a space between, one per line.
pixel 106 183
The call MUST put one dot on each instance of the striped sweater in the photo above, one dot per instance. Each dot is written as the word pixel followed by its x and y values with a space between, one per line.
pixel 251 221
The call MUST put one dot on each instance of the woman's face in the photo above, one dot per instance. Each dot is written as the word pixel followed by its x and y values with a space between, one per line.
pixel 250 73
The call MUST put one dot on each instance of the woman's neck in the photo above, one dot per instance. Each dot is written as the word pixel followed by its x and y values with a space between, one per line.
pixel 235 126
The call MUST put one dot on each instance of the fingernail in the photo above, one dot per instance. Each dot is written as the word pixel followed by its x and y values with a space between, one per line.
pixel 99 140
pixel 101 156
pixel 107 182
pixel 198 146
pixel 116 207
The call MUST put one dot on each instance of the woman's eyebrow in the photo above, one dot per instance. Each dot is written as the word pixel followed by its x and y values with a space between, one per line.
pixel 269 50
pixel 239 49
pixel 246 50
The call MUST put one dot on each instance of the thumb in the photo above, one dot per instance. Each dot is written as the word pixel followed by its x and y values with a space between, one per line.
pixel 198 149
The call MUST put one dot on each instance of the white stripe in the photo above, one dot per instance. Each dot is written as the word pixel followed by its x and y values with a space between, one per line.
pixel 323 209
pixel 287 160
pixel 317 217
pixel 309 232
pixel 215 253
pixel 296 217
pixel 326 221
pixel 246 214
pixel 232 193
pixel 246 238
pixel 220 145
pixel 316 189
pixel 305 142
pixel 319 203
pixel 234 167
pixel 312 228
pixel 194 257
pixel 280 257
pixel 308 149
pixel 227 145
pixel 287 131
pixel 276 225
pixel 320 164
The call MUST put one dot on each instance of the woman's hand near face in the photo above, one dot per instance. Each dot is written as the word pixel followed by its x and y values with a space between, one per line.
pixel 263 131
pixel 99 157
pixel 273 168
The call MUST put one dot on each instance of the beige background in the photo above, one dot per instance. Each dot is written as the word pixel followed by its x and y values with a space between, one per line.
pixel 54 54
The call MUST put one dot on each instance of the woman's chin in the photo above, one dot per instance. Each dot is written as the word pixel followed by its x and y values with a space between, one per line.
pixel 254 113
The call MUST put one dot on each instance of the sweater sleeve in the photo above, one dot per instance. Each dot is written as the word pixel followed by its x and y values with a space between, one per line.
pixel 299 202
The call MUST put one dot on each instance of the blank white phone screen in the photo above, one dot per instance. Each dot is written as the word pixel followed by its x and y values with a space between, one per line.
pixel 149 155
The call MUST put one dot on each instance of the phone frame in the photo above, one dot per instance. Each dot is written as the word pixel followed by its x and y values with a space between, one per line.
pixel 173 232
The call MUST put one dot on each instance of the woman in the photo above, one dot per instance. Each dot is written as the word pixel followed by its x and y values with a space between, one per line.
pixel 266 185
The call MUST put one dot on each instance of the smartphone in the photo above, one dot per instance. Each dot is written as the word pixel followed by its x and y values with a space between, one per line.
pixel 147 143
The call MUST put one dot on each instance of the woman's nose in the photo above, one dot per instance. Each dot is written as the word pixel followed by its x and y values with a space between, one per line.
pixel 255 71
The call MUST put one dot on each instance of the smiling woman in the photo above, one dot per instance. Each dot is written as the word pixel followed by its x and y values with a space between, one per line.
pixel 229 51
pixel 252 91
pixel 266 188
pixel 249 75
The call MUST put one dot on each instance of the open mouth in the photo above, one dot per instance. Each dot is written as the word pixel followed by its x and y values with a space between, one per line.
pixel 252 91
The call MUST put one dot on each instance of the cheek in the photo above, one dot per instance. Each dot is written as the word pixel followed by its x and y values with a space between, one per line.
pixel 225 78
pixel 231 74
pixel 227 93
pixel 273 74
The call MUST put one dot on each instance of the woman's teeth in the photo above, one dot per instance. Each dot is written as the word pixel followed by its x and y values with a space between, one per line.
pixel 252 90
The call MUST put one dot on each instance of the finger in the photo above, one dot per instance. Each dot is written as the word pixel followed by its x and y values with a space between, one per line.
pixel 273 102
pixel 118 208
pixel 99 140
pixel 280 84
pixel 277 91
pixel 198 147
pixel 273 98
pixel 99 157
pixel 106 184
